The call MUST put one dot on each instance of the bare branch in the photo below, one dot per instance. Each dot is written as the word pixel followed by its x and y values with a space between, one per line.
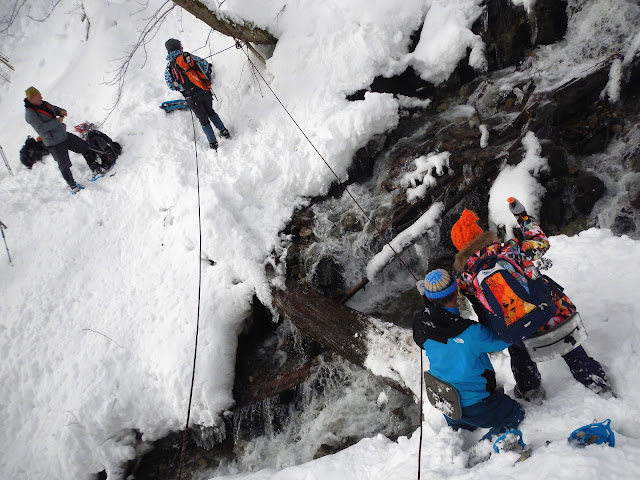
pixel 108 338
pixel 54 3
pixel 17 6
pixel 147 34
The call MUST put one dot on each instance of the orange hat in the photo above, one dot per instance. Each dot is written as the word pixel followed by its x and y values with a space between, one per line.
pixel 465 229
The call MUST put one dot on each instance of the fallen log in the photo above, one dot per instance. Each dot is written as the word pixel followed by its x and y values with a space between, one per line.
pixel 384 349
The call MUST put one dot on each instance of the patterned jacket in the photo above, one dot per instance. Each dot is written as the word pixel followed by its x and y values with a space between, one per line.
pixel 168 74
pixel 524 252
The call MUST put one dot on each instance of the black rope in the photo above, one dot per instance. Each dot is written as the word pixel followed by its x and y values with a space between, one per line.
pixel 195 350
pixel 421 421
pixel 223 50
pixel 344 187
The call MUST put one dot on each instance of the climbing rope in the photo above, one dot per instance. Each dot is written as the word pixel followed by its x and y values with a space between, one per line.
pixel 344 187
pixel 363 212
pixel 195 350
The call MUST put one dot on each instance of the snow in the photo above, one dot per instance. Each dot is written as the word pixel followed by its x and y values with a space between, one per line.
pixel 445 37
pixel 98 312
pixel 518 181
pixel 612 89
pixel 422 173
pixel 427 221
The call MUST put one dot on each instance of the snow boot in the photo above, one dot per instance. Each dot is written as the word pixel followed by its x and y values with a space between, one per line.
pixel 76 188
pixel 96 174
pixel 225 134
pixel 534 396
pixel 214 145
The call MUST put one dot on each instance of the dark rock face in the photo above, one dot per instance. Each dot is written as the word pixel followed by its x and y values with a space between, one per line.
pixel 550 21
pixel 506 33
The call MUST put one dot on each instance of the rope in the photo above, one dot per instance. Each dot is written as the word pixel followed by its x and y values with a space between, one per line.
pixel 223 50
pixel 344 187
pixel 195 350
pixel 420 443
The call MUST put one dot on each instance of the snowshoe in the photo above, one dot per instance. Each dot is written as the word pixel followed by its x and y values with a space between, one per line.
pixel 96 174
pixel 171 105
pixel 593 434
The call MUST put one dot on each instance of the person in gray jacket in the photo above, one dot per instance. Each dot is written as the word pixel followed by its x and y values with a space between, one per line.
pixel 48 121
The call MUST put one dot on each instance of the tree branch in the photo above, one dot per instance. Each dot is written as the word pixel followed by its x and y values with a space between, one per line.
pixel 223 23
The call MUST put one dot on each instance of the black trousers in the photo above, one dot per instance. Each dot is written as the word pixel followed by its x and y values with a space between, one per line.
pixel 60 154
pixel 201 105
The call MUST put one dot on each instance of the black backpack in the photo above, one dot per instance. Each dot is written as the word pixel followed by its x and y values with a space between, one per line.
pixel 32 151
pixel 100 143
pixel 107 149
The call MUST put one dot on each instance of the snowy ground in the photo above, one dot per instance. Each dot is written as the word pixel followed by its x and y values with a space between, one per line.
pixel 98 311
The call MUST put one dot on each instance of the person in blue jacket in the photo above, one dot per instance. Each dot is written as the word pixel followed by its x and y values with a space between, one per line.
pixel 193 81
pixel 457 351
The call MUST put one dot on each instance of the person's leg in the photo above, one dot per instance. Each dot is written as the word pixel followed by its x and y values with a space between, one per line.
pixel 217 122
pixel 61 155
pixel 498 412
pixel 198 106
pixel 525 371
pixel 586 370
pixel 78 145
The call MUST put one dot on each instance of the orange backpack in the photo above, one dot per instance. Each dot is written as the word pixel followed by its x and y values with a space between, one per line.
pixel 189 74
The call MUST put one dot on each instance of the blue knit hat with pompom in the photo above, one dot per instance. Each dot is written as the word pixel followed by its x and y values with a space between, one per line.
pixel 439 284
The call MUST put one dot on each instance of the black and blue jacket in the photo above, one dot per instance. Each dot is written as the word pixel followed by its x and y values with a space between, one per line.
pixel 457 351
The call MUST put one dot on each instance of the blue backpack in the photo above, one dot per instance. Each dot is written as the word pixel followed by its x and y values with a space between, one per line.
pixel 515 305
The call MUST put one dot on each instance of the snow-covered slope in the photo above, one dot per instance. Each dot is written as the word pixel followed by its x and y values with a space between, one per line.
pixel 98 310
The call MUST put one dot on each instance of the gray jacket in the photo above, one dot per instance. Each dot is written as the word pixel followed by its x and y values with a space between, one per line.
pixel 52 131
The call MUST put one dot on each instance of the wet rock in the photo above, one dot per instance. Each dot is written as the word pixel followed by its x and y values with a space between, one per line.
pixel 327 277
pixel 587 190
pixel 550 21
pixel 623 224
pixel 351 223
pixel 577 226
pixel 556 157
pixel 331 448
pixel 505 31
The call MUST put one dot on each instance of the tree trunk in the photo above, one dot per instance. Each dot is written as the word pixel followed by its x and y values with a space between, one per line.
pixel 382 348
pixel 221 22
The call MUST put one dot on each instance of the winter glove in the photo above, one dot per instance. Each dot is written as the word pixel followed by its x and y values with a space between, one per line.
pixel 516 207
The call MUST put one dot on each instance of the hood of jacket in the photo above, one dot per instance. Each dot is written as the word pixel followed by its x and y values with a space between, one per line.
pixel 476 245
pixel 171 56
pixel 436 323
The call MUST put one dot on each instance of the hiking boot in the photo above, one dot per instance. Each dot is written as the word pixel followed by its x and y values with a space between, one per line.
pixel 76 188
pixel 214 145
pixel 603 390
pixel 534 396
pixel 96 174
pixel 225 134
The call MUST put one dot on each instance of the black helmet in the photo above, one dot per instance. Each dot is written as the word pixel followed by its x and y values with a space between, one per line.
pixel 173 44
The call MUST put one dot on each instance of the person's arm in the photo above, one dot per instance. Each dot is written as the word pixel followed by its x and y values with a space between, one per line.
pixel 486 341
pixel 170 80
pixel 535 243
pixel 41 124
